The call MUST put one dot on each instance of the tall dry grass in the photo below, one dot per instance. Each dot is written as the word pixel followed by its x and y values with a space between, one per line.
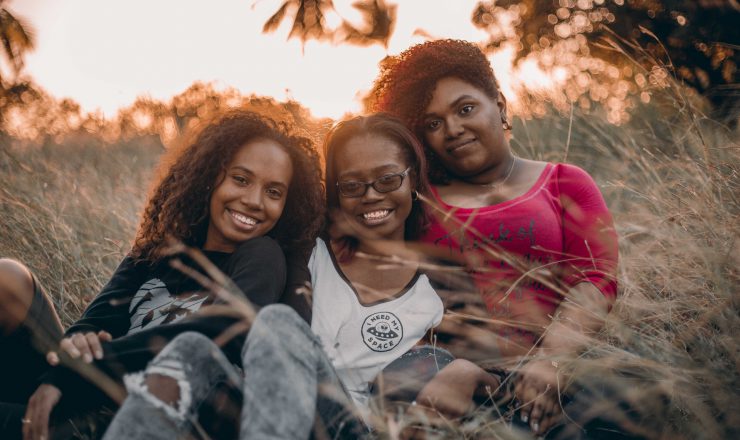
pixel 69 211
pixel 667 363
pixel 670 176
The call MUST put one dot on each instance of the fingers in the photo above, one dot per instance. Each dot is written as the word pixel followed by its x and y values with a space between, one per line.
pixel 532 400
pixel 525 394
pixel 93 343
pixel 540 406
pixel 69 347
pixel 83 348
pixel 105 336
pixel 86 346
pixel 39 426
pixel 52 358
pixel 36 420
pixel 548 421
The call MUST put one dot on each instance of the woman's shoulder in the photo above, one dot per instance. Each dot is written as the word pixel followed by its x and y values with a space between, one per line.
pixel 570 171
pixel 263 248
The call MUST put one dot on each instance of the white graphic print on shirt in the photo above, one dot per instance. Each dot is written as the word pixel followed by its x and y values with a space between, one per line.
pixel 154 305
pixel 382 331
pixel 362 339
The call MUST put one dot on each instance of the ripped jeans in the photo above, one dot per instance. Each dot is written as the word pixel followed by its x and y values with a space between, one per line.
pixel 290 389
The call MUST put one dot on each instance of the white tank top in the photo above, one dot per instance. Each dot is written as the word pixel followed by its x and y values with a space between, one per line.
pixel 362 339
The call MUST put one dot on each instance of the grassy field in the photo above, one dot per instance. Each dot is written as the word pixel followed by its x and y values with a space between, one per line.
pixel 670 177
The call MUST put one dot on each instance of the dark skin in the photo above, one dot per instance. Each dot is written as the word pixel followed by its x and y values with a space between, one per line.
pixel 254 185
pixel 452 390
pixel 16 294
pixel 464 127
pixel 468 195
pixel 364 159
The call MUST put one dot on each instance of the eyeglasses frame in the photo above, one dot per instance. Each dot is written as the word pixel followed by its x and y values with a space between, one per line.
pixel 403 175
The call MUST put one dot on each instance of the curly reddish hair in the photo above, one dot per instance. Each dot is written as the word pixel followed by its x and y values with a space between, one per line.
pixel 406 82
pixel 179 204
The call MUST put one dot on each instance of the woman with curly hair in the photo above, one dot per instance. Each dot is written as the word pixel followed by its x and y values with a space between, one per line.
pixel 369 310
pixel 242 191
pixel 539 237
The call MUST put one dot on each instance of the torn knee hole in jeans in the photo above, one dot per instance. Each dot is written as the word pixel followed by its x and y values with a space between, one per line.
pixel 136 384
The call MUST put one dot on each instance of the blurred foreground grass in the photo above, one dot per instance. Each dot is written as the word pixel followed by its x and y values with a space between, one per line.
pixel 670 177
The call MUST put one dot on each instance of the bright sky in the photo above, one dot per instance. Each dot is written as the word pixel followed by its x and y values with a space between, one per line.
pixel 104 54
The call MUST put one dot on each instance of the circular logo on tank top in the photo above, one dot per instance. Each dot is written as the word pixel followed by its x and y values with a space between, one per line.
pixel 382 331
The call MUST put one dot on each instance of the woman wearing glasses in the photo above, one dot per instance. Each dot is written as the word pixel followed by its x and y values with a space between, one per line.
pixel 369 309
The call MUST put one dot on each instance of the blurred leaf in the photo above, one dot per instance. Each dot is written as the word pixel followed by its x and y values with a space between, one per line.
pixel 273 22
pixel 16 38
pixel 381 19
pixel 309 23
pixel 695 40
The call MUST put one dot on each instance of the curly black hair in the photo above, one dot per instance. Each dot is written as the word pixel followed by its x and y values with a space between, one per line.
pixel 179 203
pixel 406 82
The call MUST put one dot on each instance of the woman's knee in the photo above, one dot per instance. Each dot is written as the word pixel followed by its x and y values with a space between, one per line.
pixel 190 348
pixel 16 292
pixel 179 374
pixel 278 317
pixel 279 327
pixel 463 367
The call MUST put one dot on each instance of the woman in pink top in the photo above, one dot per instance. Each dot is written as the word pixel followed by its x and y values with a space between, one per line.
pixel 534 233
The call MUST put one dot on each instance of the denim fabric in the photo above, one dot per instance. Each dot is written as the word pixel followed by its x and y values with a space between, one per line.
pixel 290 387
pixel 196 364
pixel 289 380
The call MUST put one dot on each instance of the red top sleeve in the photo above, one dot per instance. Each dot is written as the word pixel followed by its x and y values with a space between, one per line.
pixel 589 237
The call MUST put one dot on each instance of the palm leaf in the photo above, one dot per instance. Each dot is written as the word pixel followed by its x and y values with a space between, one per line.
pixel 16 38
pixel 273 22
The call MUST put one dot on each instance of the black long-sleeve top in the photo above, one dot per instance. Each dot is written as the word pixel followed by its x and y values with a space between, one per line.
pixel 144 306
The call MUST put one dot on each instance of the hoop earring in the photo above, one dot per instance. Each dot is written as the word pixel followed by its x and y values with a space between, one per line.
pixel 414 195
pixel 505 121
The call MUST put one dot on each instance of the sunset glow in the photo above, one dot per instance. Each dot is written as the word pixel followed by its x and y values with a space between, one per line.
pixel 105 54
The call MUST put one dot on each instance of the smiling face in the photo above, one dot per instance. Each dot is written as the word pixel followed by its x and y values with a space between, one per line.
pixel 366 158
pixel 250 195
pixel 462 125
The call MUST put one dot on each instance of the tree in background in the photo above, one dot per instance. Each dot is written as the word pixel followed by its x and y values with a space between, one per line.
pixel 611 51
pixel 310 22
pixel 697 41
pixel 16 38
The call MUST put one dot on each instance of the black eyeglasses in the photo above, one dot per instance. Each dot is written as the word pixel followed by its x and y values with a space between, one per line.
pixel 383 184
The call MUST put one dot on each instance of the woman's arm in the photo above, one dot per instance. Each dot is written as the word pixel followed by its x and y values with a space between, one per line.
pixel 105 318
pixel 590 246
pixel 109 309
pixel 589 237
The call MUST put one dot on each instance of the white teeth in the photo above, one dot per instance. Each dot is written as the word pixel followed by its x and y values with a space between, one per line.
pixel 244 219
pixel 376 214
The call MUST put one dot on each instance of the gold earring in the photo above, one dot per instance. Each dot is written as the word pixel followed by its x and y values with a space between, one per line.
pixel 505 122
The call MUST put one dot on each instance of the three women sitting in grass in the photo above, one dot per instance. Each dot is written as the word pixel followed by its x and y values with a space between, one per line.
pixel 537 238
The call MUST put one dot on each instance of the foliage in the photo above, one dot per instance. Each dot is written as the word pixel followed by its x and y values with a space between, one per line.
pixel 30 114
pixel 613 52
pixel 696 41
pixel 16 38
pixel 670 176
pixel 309 22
